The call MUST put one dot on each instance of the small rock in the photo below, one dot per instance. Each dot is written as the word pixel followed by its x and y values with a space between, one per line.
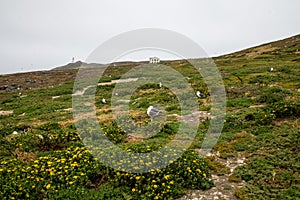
pixel 41 137
pixel 55 97
pixel 68 109
pixel 239 161
pixel 4 87
pixel 214 177
pixel 209 154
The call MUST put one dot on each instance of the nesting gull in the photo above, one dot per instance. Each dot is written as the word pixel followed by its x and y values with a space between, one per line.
pixel 15 133
pixel 152 112
pixel 200 95
pixel 271 69
pixel 104 101
pixel 160 84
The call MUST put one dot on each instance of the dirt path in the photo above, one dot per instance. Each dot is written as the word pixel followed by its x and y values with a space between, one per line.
pixel 119 81
pixel 192 118
pixel 223 188
pixel 81 92
pixel 6 112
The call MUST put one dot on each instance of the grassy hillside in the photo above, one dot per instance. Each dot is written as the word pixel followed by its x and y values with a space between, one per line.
pixel 47 159
pixel 78 64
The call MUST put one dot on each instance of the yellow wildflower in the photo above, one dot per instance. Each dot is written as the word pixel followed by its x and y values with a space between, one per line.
pixel 74 164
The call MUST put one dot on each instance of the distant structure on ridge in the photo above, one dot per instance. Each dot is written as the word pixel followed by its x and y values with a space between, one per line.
pixel 154 60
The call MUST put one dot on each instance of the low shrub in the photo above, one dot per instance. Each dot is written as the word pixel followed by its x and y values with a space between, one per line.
pixel 114 133
pixel 104 192
pixel 59 173
pixel 265 79
pixel 285 109
pixel 272 95
pixel 52 172
pixel 188 172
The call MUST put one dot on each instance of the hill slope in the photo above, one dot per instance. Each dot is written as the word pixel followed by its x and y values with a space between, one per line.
pixel 282 47
pixel 78 64
pixel 256 157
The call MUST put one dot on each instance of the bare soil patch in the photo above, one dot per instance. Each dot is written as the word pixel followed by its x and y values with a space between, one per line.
pixel 224 189
pixel 6 112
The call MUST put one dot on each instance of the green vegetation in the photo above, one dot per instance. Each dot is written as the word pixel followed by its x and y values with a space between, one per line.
pixel 47 159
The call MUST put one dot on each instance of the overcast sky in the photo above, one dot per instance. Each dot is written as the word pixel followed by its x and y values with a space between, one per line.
pixel 42 34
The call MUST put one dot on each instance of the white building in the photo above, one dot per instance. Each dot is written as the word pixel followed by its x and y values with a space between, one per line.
pixel 154 60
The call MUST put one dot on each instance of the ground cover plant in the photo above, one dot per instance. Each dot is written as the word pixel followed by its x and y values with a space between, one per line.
pixel 43 157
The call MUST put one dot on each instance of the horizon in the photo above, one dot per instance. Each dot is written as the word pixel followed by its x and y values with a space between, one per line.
pixel 43 35
pixel 145 60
